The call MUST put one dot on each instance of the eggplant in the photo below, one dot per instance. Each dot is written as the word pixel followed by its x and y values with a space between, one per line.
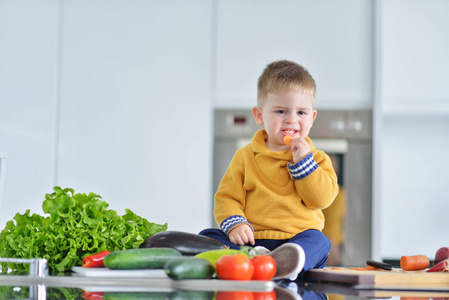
pixel 184 242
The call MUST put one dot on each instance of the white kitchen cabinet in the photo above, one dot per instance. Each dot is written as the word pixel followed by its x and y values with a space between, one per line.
pixel 410 128
pixel 414 49
pixel 414 189
pixel 28 85
pixel 136 114
pixel 332 39
pixel 2 175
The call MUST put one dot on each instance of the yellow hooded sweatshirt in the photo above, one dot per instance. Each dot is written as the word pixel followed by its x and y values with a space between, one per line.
pixel 277 199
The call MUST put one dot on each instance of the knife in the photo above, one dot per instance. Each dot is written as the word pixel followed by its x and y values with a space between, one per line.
pixel 380 265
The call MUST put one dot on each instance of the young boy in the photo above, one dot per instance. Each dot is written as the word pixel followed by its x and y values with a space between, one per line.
pixel 272 194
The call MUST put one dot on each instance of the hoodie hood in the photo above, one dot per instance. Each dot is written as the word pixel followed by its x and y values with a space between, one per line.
pixel 269 162
pixel 258 145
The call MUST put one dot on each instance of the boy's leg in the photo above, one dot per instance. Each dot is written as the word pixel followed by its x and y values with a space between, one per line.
pixel 220 236
pixel 316 247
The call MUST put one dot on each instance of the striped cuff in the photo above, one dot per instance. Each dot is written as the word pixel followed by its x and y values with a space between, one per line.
pixel 231 222
pixel 303 167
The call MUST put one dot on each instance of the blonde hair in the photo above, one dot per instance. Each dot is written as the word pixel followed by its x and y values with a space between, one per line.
pixel 283 76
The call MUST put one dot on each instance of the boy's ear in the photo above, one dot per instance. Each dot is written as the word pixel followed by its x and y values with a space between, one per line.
pixel 257 114
pixel 314 113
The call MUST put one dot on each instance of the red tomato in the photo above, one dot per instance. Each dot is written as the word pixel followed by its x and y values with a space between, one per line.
pixel 265 295
pixel 235 267
pixel 264 267
pixel 235 295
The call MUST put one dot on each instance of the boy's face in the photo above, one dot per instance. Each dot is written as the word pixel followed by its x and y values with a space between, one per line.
pixel 289 113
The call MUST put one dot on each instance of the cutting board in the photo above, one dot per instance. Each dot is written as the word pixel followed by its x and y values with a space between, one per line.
pixel 381 278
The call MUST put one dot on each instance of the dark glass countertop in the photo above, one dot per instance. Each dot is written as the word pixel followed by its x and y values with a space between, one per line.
pixel 100 284
pixel 71 286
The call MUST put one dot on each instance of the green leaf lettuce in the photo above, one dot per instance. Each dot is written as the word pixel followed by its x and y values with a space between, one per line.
pixel 78 225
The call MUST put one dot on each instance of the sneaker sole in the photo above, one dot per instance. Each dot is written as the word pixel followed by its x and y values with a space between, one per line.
pixel 290 260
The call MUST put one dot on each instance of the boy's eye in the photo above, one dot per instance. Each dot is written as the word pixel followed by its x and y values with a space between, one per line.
pixel 302 113
pixel 280 111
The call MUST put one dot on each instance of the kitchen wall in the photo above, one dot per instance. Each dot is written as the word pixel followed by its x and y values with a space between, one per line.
pixel 117 98
pixel 111 97
pixel 28 81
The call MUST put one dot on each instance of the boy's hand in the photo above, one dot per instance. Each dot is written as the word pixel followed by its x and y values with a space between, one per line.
pixel 300 148
pixel 242 235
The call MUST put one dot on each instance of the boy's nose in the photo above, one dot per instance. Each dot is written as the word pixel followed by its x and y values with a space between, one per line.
pixel 290 117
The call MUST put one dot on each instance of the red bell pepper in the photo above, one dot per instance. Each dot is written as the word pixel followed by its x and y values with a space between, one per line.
pixel 442 266
pixel 92 295
pixel 95 260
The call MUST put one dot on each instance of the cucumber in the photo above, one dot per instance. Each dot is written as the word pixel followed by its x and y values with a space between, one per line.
pixel 189 268
pixel 131 259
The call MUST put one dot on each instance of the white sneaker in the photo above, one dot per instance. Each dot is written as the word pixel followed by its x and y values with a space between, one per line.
pixel 290 259
pixel 259 250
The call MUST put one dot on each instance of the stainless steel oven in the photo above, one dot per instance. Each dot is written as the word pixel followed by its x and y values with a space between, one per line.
pixel 347 137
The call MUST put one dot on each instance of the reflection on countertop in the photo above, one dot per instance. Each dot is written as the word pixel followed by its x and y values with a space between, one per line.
pixel 76 287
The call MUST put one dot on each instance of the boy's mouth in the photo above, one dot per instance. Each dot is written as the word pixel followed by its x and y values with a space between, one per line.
pixel 291 132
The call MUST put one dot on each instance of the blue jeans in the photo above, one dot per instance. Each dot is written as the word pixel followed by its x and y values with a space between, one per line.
pixel 315 244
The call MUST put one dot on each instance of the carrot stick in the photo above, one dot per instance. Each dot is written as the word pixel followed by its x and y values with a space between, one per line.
pixel 288 140
pixel 414 262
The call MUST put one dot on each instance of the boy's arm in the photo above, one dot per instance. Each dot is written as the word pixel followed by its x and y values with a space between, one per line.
pixel 231 196
pixel 315 180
